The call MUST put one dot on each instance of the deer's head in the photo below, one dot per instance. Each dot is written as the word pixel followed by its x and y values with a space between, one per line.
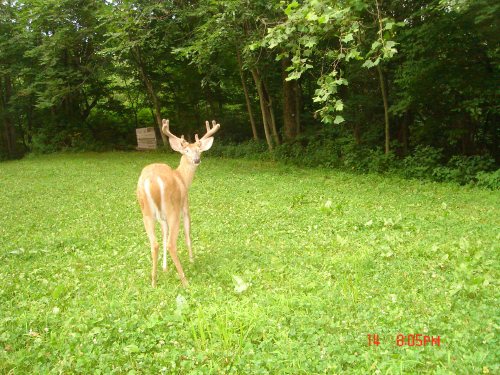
pixel 192 151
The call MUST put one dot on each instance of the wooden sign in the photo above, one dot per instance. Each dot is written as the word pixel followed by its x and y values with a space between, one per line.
pixel 146 138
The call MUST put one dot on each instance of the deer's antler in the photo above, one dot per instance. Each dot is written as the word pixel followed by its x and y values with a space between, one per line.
pixel 210 131
pixel 166 130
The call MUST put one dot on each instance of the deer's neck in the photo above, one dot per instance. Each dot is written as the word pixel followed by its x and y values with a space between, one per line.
pixel 186 170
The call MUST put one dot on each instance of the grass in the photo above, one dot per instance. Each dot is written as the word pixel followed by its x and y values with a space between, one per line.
pixel 294 268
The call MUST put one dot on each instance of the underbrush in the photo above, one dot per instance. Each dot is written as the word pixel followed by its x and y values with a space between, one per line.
pixel 424 162
pixel 333 151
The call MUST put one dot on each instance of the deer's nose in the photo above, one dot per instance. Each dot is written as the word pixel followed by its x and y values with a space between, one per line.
pixel 196 160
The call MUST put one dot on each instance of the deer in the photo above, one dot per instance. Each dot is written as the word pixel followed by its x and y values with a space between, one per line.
pixel 162 193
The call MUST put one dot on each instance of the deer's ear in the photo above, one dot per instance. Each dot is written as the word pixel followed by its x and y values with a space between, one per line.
pixel 176 144
pixel 206 143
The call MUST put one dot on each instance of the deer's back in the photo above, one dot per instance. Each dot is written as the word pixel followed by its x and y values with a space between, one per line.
pixel 154 179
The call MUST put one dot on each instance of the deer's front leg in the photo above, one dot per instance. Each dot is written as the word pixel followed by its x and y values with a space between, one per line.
pixel 187 229
pixel 173 226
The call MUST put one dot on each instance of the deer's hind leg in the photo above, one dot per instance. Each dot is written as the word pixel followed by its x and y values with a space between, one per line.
pixel 173 225
pixel 149 225
pixel 164 233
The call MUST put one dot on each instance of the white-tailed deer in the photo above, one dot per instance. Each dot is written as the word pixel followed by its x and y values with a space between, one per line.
pixel 163 194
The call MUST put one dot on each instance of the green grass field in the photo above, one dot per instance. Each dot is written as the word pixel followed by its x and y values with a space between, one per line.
pixel 294 269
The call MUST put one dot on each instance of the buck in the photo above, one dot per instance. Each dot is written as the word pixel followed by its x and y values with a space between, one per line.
pixel 163 194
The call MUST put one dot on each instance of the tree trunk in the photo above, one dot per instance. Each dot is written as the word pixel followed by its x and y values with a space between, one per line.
pixel 85 113
pixel 247 97
pixel 467 138
pixel 298 96
pixel 291 109
pixel 8 128
pixel 386 108
pixel 405 131
pixel 263 107
pixel 28 132
pixel 269 103
pixel 209 98
pixel 151 92
pixel 357 133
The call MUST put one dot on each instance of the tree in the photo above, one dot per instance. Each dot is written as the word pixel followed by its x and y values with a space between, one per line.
pixel 84 73
pixel 140 35
pixel 227 30
pixel 10 51
pixel 446 76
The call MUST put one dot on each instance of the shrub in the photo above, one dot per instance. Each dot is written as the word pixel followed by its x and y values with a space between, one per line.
pixel 463 169
pixel 42 143
pixel 325 152
pixel 290 152
pixel 321 157
pixel 145 118
pixel 334 151
pixel 250 149
pixel 422 162
pixel 489 180
pixel 310 152
pixel 355 157
pixel 380 162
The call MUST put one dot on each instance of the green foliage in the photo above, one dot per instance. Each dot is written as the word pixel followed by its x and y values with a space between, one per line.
pixel 294 268
pixel 446 77
pixel 335 152
pixel 318 152
pixel 72 74
pixel 145 118
pixel 422 162
pixel 330 34
pixel 80 74
pixel 360 158
pixel 490 180
pixel 381 162
pixel 108 129
pixel 355 156
pixel 65 140
pixel 463 169
pixel 249 149
pixel 102 130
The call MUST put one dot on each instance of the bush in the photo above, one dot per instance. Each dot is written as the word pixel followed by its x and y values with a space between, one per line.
pixel 379 162
pixel 489 180
pixel 68 140
pixel 53 138
pixel 103 130
pixel 145 118
pixel 250 149
pixel 310 152
pixel 422 162
pixel 289 152
pixel 463 169
pixel 42 143
pixel 334 151
pixel 355 157
pixel 324 152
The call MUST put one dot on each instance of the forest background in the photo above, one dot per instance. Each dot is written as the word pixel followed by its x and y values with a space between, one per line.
pixel 407 87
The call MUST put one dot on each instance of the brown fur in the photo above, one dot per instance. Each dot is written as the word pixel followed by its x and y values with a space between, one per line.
pixel 176 184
